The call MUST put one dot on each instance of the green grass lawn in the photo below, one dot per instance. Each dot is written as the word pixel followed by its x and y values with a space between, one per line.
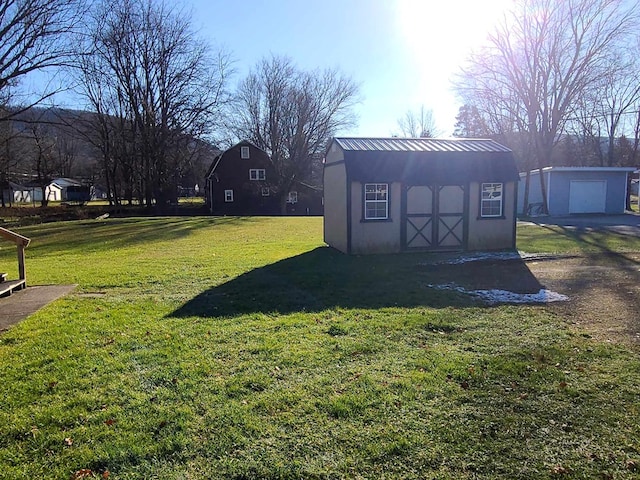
pixel 243 348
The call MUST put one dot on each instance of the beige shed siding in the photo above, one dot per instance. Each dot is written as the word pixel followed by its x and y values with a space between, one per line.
pixel 494 233
pixel 335 200
pixel 375 236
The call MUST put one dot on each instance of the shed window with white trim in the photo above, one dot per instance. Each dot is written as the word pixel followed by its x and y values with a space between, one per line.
pixel 292 197
pixel 491 200
pixel 376 201
pixel 228 196
pixel 257 174
pixel 244 152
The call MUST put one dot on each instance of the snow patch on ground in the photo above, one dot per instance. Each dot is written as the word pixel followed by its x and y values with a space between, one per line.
pixel 496 296
pixel 488 256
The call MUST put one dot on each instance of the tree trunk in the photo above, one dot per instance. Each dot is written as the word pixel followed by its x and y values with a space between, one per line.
pixel 525 203
pixel 543 191
pixel 627 205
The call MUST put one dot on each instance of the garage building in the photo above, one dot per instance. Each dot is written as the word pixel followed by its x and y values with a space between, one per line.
pixel 578 190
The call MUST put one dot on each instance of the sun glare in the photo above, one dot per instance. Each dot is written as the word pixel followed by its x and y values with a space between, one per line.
pixel 438 36
pixel 444 31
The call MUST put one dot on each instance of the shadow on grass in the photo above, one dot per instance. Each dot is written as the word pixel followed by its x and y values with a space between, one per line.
pixel 121 232
pixel 596 240
pixel 325 278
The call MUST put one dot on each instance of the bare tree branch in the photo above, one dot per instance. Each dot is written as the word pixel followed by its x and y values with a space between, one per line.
pixel 291 114
pixel 35 35
pixel 544 55
pixel 418 124
pixel 156 89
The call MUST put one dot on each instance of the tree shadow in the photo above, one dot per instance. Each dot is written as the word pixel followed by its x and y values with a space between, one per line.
pixel 325 278
pixel 114 233
pixel 594 240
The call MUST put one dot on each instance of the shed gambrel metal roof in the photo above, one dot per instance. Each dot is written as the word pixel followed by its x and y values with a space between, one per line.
pixel 433 160
pixel 395 144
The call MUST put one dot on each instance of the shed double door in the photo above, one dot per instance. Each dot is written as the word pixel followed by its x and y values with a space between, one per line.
pixel 434 217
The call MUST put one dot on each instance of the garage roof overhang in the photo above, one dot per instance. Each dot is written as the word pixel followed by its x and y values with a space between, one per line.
pixel 582 169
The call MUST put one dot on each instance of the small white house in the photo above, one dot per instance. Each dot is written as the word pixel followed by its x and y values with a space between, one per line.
pixel 15 193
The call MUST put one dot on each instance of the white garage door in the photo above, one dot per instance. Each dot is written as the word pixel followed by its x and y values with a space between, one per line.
pixel 587 196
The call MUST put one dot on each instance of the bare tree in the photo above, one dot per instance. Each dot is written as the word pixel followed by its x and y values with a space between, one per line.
pixel 8 158
pixel 418 124
pixel 154 85
pixel 541 58
pixel 35 35
pixel 37 144
pixel 602 112
pixel 291 114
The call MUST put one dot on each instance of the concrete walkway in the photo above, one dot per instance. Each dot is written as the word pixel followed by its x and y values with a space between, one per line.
pixel 23 303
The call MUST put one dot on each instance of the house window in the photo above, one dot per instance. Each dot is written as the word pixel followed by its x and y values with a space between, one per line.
pixel 376 201
pixel 292 197
pixel 257 174
pixel 491 200
pixel 228 196
pixel 244 152
pixel 265 191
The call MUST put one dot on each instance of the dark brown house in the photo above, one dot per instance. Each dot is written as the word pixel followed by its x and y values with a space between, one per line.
pixel 238 183
pixel 306 199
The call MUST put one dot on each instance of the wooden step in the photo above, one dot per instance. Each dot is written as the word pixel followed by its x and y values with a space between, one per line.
pixel 7 288
pixel 3 277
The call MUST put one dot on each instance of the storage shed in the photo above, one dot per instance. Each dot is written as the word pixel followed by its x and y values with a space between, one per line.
pixel 573 190
pixel 384 195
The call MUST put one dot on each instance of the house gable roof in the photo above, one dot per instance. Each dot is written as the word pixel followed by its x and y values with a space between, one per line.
pixel 439 161
pixel 66 182
pixel 218 157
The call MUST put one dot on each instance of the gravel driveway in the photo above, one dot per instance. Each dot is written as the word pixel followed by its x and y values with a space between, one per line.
pixel 603 291
pixel 603 288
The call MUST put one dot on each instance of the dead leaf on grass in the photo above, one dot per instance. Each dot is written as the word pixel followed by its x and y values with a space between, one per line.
pixel 68 441
pixel 559 470
pixel 82 473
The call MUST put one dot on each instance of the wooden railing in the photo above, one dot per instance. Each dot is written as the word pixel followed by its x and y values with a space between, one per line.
pixel 21 242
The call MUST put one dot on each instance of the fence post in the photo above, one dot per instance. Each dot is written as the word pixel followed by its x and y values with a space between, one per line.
pixel 21 270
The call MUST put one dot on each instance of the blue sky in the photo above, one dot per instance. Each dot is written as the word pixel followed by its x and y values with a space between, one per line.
pixel 401 52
